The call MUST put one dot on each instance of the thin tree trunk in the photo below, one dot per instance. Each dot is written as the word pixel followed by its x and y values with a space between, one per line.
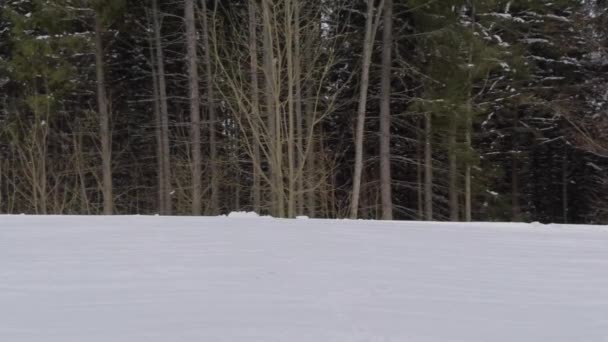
pixel 84 204
pixel 165 153
pixel 298 103
pixel 159 140
pixel 311 171
pixel 1 185
pixel 360 129
pixel 270 108
pixel 104 121
pixel 274 119
pixel 44 149
pixel 420 170
pixel 515 205
pixel 213 162
pixel 467 171
pixel 428 167
pixel 195 117
pixel 309 109
pixel 291 153
pixel 565 188
pixel 385 114
pixel 453 169
pixel 467 175
pixel 255 93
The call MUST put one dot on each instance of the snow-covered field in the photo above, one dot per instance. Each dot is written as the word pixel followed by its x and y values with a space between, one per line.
pixel 153 279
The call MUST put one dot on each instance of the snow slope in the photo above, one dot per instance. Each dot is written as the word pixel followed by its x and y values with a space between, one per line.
pixel 153 279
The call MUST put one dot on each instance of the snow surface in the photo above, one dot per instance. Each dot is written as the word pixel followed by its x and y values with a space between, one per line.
pixel 157 279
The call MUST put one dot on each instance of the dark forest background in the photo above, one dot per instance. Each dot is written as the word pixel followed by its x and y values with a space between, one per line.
pixel 488 110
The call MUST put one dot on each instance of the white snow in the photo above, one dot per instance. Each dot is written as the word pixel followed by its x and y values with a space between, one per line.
pixel 536 41
pixel 243 214
pixel 159 279
pixel 504 16
pixel 558 17
pixel 493 193
pixel 595 166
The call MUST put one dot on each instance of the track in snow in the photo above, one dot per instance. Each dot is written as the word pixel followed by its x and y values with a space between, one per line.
pixel 153 279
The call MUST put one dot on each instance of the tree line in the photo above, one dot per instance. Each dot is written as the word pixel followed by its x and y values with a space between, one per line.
pixel 379 109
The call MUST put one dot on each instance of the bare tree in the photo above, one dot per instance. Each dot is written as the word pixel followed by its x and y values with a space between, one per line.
pixel 287 150
pixel 269 27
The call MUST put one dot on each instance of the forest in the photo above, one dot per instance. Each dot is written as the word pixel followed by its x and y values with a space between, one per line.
pixel 445 110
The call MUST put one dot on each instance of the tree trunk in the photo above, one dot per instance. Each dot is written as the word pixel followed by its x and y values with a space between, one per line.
pixel 300 160
pixel 255 100
pixel 360 129
pixel 291 153
pixel 385 114
pixel 268 60
pixel 428 167
pixel 453 169
pixel 311 171
pixel 467 178
pixel 565 181
pixel 104 121
pixel 274 119
pixel 469 128
pixel 309 109
pixel 515 205
pixel 195 117
pixel 80 166
pixel 159 140
pixel 420 170
pixel 1 186
pixel 165 153
pixel 213 162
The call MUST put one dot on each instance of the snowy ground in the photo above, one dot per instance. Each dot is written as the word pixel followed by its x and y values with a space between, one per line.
pixel 151 279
